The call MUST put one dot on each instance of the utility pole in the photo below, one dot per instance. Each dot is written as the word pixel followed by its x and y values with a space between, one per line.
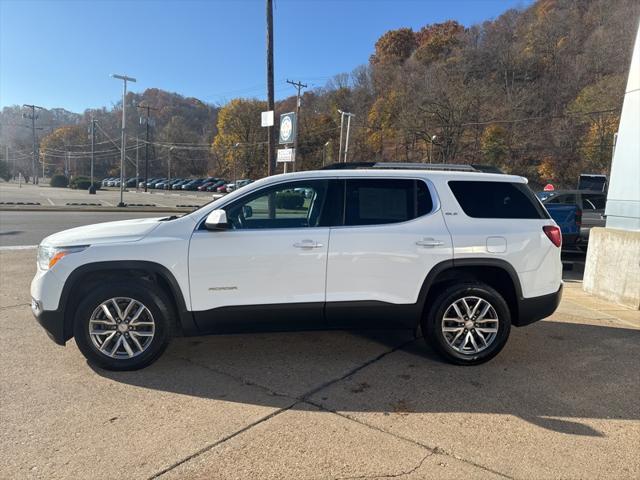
pixel 346 146
pixel 93 143
pixel 137 156
pixel 33 117
pixel 6 157
pixel 298 86
pixel 271 131
pixel 341 128
pixel 123 144
pixel 169 170
pixel 147 121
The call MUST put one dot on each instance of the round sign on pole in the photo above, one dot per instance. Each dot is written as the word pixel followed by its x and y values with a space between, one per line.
pixel 287 127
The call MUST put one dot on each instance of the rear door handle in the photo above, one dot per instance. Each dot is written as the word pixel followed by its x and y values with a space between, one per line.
pixel 307 244
pixel 429 242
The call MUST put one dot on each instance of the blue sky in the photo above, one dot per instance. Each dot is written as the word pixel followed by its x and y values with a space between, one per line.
pixel 60 53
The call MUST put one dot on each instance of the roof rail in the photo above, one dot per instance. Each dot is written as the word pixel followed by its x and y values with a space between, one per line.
pixel 402 166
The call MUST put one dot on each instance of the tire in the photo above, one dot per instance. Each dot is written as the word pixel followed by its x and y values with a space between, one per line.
pixel 461 343
pixel 146 336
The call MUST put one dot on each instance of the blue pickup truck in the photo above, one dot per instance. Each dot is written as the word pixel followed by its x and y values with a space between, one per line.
pixel 567 216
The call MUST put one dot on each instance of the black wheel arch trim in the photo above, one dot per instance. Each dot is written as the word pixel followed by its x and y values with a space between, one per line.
pixel 528 310
pixel 185 316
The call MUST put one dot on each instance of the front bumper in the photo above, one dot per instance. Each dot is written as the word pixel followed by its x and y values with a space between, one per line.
pixel 536 308
pixel 51 320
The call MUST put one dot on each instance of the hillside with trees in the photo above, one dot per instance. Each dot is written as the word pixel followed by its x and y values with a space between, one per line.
pixel 536 92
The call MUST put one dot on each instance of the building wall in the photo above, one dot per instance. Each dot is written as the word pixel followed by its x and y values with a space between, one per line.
pixel 612 268
pixel 623 201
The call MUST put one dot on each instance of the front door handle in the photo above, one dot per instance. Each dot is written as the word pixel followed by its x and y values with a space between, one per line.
pixel 307 244
pixel 429 242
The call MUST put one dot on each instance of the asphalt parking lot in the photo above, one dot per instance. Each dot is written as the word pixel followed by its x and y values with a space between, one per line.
pixel 561 401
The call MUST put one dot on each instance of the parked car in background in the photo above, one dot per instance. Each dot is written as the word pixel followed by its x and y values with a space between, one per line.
pixel 591 203
pixel 193 184
pixel 169 185
pixel 106 181
pixel 214 186
pixel 209 181
pixel 160 184
pixel 178 185
pixel 238 184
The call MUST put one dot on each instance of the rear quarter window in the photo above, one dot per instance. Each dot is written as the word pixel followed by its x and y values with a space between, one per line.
pixel 497 200
pixel 381 201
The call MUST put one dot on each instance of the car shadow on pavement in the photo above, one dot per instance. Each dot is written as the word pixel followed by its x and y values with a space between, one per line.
pixel 551 374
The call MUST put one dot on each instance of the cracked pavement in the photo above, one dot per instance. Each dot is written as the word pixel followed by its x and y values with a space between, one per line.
pixel 561 401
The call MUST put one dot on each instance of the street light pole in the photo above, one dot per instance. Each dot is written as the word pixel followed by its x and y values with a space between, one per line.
pixel 433 139
pixel 346 146
pixel 124 79
pixel 346 143
pixel 169 171
pixel 324 152
pixel 341 125
pixel 235 164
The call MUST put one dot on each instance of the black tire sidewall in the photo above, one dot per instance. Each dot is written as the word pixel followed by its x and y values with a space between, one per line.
pixel 151 296
pixel 435 336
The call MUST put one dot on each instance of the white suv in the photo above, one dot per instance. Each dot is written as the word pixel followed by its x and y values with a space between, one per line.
pixel 461 253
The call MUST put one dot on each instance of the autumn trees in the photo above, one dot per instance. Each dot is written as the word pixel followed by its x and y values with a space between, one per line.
pixel 536 92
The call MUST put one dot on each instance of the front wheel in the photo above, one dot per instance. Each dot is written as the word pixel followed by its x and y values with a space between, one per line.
pixel 124 326
pixel 468 324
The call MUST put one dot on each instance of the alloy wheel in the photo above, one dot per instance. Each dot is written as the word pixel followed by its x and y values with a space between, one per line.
pixel 121 328
pixel 470 325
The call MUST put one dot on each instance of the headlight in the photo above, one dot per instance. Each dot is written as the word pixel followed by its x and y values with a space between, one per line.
pixel 49 256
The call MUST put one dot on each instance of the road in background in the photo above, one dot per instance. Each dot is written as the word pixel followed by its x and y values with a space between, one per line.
pixel 29 228
pixel 60 197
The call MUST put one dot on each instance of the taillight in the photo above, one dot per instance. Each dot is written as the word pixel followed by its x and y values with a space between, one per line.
pixel 554 234
pixel 579 217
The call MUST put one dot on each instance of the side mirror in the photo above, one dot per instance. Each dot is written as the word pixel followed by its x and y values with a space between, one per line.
pixel 216 220
pixel 247 211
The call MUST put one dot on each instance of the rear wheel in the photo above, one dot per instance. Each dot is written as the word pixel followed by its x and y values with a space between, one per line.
pixel 468 324
pixel 125 326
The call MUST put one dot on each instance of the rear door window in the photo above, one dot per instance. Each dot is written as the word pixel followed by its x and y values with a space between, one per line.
pixel 497 200
pixel 564 198
pixel 593 201
pixel 383 201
